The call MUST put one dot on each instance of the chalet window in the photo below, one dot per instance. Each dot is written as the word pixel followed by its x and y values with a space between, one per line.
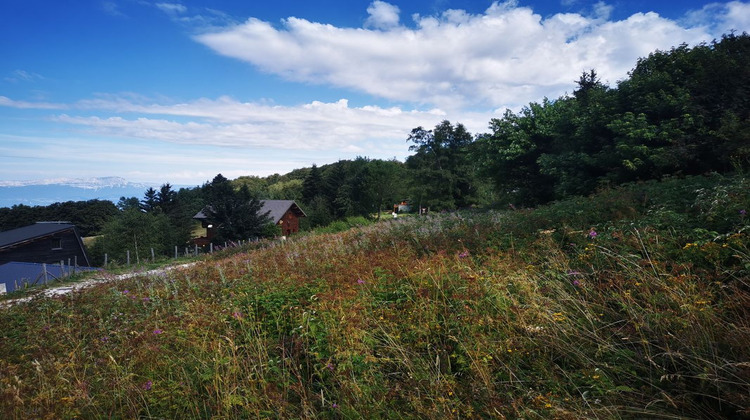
pixel 57 243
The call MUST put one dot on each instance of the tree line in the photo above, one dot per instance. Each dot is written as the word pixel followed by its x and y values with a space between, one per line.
pixel 679 112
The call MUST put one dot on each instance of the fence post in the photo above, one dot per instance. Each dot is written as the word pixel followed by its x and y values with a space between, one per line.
pixel 175 252
pixel 106 257
pixel 186 251
pixel 128 252
pixel 153 258
pixel 75 264
pixel 62 269
pixel 211 248
pixel 196 250
pixel 46 276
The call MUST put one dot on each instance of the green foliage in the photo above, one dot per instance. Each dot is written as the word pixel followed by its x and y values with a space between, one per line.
pixel 88 216
pixel 441 171
pixel 235 214
pixel 682 111
pixel 136 232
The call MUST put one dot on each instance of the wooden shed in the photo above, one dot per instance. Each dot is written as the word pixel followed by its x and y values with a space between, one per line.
pixel 43 242
pixel 284 213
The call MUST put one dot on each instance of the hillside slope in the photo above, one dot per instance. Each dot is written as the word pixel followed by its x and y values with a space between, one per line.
pixel 632 303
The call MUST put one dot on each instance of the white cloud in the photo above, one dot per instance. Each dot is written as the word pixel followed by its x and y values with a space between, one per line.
pixel 172 8
pixel 506 56
pixel 382 15
pixel 10 103
pixel 721 18
pixel 23 76
pixel 225 122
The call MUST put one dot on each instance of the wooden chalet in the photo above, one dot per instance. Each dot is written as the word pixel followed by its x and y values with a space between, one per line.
pixel 284 213
pixel 43 242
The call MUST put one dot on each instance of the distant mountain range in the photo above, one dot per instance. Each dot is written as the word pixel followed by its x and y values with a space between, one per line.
pixel 48 191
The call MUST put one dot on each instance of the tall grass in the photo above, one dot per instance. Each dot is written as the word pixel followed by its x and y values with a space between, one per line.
pixel 590 308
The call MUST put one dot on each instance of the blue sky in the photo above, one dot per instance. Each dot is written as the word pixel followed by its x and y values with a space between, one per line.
pixel 168 91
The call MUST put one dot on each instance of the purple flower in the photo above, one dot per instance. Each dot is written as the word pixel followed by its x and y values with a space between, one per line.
pixel 125 292
pixel 158 331
pixel 463 254
pixel 237 315
pixel 329 366
pixel 360 281
pixel 147 385
pixel 146 299
pixel 576 283
pixel 334 405
pixel 743 212
pixel 105 339
pixel 592 234
pixel 574 273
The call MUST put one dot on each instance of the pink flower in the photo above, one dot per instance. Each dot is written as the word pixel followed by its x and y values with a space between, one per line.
pixel 158 331
pixel 147 385
pixel 463 254
pixel 360 281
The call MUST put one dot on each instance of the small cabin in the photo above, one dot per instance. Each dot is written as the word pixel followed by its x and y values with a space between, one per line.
pixel 43 242
pixel 284 213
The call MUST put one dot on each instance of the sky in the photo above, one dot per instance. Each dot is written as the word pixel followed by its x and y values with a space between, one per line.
pixel 179 91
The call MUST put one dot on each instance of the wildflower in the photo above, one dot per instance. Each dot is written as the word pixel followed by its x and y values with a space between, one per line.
pixel 329 367
pixel 125 292
pixel 576 283
pixel 743 212
pixel 146 299
pixel 334 405
pixel 574 273
pixel 463 254
pixel 158 331
pixel 104 339
pixel 592 233
pixel 237 315
pixel 360 281
pixel 147 385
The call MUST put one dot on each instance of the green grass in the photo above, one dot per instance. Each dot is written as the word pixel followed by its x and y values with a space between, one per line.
pixel 518 314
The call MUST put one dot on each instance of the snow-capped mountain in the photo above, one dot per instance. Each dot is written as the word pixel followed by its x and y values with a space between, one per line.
pixel 48 191
pixel 85 183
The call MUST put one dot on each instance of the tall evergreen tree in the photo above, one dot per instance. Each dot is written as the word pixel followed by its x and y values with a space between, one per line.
pixel 235 214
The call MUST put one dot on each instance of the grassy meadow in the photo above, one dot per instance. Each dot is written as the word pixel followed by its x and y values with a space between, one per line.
pixel 632 303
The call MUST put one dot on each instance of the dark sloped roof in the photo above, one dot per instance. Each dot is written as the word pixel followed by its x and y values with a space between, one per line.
pixel 26 233
pixel 276 209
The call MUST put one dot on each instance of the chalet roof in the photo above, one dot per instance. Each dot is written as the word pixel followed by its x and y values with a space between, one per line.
pixel 275 208
pixel 28 233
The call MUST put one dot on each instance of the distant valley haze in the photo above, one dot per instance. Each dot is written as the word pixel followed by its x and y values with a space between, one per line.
pixel 46 192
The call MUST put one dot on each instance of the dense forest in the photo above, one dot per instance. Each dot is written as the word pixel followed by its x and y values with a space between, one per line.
pixel 680 112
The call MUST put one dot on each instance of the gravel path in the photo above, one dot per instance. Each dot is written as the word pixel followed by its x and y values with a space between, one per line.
pixel 70 288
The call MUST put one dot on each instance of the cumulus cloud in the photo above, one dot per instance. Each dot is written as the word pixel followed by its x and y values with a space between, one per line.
pixel 721 18
pixel 506 56
pixel 382 15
